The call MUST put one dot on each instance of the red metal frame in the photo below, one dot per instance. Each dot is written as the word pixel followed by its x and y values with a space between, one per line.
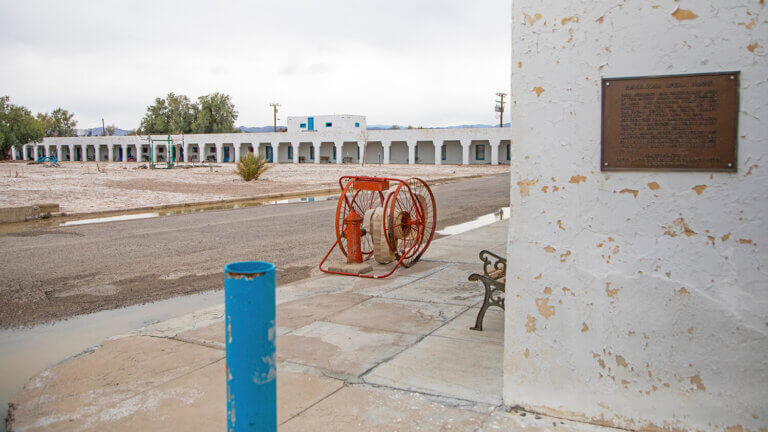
pixel 379 185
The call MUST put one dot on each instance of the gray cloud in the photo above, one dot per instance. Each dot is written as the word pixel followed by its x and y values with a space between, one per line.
pixel 421 63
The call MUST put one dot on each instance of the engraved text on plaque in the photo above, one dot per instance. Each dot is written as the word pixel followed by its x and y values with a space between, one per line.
pixel 680 122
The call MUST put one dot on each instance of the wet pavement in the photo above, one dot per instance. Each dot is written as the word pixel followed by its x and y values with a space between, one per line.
pixel 353 355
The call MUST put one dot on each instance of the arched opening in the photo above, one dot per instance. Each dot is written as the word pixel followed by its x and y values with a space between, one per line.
pixel 142 153
pixel 374 152
pixel 194 152
pixel 451 153
pixel 131 152
pixel 40 152
pixel 398 153
pixel 52 150
pixel 65 154
pixel 284 152
pixel 327 152
pixel 246 148
pixel 90 153
pixel 208 152
pixel 306 152
pixel 425 152
pixel 159 152
pixel 103 153
pixel 480 153
pixel 350 152
pixel 228 152
pixel 266 150
pixel 505 152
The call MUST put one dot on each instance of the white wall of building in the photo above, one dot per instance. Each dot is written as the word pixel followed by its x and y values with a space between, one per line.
pixel 397 146
pixel 636 299
pixel 326 123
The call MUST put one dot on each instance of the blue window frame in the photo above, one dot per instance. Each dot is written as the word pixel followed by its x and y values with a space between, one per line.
pixel 310 123
pixel 334 152
pixel 507 151
pixel 303 125
pixel 443 152
pixel 357 124
pixel 311 152
pixel 480 152
pixel 290 152
pixel 328 124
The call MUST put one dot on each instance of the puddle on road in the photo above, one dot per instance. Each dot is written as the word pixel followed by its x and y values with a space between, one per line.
pixel 110 219
pixel 42 224
pixel 28 351
pixel 501 214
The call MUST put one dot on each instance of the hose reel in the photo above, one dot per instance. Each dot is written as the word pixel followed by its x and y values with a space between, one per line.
pixel 384 219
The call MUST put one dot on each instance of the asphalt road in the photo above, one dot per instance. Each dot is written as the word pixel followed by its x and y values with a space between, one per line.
pixel 53 273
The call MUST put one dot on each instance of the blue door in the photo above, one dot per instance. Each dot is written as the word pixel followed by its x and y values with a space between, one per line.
pixel 269 153
pixel 311 123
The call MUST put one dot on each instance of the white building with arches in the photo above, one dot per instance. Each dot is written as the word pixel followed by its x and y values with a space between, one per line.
pixel 309 139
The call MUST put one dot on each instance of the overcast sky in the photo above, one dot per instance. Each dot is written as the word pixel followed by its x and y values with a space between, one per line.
pixel 428 63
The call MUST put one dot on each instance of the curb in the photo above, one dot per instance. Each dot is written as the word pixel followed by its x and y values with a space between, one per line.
pixel 226 201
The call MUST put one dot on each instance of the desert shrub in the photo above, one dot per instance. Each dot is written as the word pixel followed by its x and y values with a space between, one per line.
pixel 250 166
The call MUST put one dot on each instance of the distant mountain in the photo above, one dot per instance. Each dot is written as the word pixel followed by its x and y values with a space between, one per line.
pixel 259 128
pixel 98 131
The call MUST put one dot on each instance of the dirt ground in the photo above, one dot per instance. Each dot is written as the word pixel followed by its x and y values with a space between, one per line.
pixel 91 187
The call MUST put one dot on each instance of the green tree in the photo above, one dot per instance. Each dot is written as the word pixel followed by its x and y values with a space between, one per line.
pixel 17 127
pixel 215 114
pixel 58 123
pixel 174 114
pixel 110 130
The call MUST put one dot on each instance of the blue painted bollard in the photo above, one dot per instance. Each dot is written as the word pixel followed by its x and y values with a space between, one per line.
pixel 249 290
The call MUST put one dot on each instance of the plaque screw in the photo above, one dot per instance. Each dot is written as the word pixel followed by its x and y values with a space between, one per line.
pixel 730 165
pixel 605 164
pixel 607 84
pixel 733 77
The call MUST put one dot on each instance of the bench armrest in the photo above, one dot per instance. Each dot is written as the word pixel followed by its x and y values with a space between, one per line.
pixel 492 263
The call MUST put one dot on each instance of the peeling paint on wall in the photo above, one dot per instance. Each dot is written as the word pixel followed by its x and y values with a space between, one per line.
pixel 684 14
pixel 633 192
pixel 545 309
pixel 530 325
pixel 699 189
pixel 570 19
pixel 532 19
pixel 577 179
pixel 525 186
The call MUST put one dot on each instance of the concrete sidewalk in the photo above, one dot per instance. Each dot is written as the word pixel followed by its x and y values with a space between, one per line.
pixel 353 355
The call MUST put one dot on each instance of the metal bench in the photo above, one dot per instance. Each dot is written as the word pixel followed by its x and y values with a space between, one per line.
pixel 493 279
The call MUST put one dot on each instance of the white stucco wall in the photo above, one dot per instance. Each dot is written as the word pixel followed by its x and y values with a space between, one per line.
pixel 637 299
pixel 339 122
pixel 397 140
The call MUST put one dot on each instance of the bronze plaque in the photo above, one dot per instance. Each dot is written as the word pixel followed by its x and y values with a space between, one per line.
pixel 674 122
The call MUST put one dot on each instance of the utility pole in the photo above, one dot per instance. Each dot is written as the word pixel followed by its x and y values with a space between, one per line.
pixel 274 109
pixel 500 108
pixel 103 131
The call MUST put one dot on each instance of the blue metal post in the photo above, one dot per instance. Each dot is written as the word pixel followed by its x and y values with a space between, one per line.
pixel 249 290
